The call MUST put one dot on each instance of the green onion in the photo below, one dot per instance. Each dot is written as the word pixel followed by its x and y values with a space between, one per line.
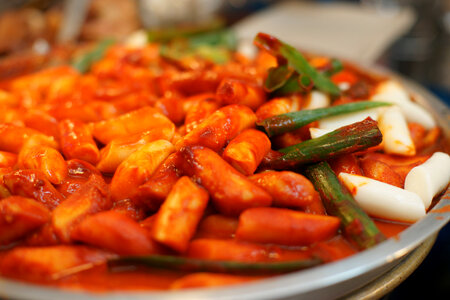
pixel 348 139
pixel 357 226
pixel 214 46
pixel 290 121
pixel 202 265
pixel 84 62
pixel 170 33
pixel 277 77
pixel 335 67
pixel 297 61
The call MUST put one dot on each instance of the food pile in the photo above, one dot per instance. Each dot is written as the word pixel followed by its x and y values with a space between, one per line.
pixel 181 163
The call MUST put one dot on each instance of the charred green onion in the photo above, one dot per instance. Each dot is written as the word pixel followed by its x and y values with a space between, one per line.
pixel 348 139
pixel 356 224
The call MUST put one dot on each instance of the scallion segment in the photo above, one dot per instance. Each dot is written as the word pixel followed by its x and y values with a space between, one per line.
pixel 357 226
pixel 84 62
pixel 347 139
pixel 297 61
pixel 203 265
pixel 290 121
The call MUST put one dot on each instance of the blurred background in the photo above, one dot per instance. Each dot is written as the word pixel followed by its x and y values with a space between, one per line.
pixel 411 37
pixel 418 47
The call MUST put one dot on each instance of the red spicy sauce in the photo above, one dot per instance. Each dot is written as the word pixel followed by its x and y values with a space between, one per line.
pixel 391 229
